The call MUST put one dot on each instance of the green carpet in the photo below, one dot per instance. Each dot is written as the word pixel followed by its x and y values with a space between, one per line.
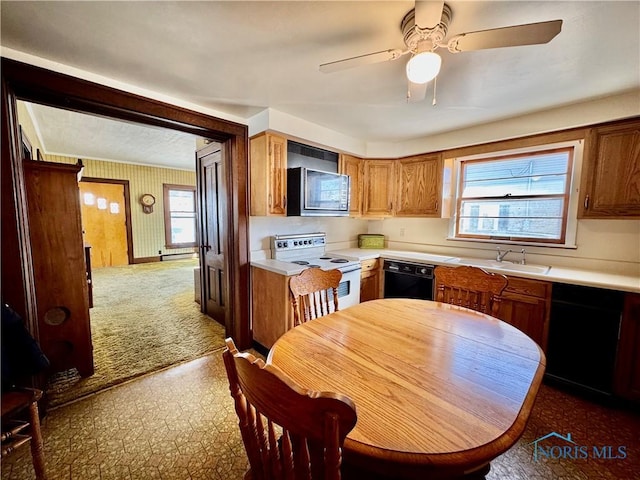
pixel 144 318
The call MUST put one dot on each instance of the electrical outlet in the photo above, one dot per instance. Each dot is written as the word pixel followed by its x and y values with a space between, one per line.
pixel 402 232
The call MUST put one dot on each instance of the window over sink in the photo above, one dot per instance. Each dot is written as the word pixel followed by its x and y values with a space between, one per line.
pixel 526 196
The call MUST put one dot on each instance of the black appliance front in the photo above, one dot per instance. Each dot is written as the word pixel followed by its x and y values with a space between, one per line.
pixel 408 280
pixel 583 337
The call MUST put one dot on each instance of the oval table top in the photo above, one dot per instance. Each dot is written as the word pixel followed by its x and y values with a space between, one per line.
pixel 436 386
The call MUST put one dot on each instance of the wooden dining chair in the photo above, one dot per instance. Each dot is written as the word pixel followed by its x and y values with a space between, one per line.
pixel 18 430
pixel 288 431
pixel 470 287
pixel 314 293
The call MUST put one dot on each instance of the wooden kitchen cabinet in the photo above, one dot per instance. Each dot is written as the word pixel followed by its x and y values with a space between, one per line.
pixel 611 171
pixel 627 372
pixel 268 182
pixel 60 275
pixel 370 280
pixel 526 305
pixel 378 188
pixel 352 166
pixel 418 186
pixel 271 311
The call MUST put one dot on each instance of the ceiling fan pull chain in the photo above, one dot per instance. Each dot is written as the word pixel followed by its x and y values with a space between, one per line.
pixel 434 91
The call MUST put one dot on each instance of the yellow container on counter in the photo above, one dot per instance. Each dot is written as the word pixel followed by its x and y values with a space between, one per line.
pixel 370 240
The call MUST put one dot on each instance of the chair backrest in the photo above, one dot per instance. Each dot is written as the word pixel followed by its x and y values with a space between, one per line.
pixel 470 287
pixel 313 425
pixel 314 293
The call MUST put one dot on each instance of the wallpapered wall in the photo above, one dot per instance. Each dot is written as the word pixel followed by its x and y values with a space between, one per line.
pixel 148 229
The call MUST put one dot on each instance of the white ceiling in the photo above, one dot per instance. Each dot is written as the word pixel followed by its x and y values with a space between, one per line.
pixel 242 57
pixel 78 135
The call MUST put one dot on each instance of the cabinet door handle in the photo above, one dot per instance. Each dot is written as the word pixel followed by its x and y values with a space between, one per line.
pixel 269 199
pixel 437 205
pixel 284 202
pixel 586 202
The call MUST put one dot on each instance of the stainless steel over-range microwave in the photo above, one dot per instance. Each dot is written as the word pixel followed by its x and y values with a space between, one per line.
pixel 316 193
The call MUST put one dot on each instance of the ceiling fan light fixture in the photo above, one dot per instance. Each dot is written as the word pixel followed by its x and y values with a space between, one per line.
pixel 423 67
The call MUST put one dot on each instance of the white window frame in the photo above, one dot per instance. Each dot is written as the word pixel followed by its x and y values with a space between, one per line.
pixel 167 189
pixel 571 228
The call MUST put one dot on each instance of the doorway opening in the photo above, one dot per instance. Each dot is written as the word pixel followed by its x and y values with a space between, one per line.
pixel 33 84
pixel 144 312
pixel 106 221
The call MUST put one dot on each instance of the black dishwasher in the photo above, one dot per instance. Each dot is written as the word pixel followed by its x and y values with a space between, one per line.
pixel 583 337
pixel 407 280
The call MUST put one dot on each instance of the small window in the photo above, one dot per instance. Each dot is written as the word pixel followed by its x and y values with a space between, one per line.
pixel 516 198
pixel 180 216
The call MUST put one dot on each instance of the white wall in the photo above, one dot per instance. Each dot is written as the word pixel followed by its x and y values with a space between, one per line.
pixel 602 245
pixel 342 232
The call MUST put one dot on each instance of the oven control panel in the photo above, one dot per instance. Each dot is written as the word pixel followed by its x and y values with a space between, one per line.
pixel 280 244
pixel 406 268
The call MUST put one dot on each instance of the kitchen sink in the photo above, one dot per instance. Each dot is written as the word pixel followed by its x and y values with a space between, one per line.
pixel 518 267
pixel 504 265
pixel 477 262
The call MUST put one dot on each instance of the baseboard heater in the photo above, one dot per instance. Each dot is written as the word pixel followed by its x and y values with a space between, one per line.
pixel 176 256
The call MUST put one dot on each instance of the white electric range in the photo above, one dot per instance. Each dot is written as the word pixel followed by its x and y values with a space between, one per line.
pixel 308 251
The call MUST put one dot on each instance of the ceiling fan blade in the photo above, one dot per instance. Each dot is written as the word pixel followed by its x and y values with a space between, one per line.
pixel 428 14
pixel 367 59
pixel 529 34
pixel 416 92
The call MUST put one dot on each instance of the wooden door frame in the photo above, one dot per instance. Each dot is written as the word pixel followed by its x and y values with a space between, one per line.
pixel 127 209
pixel 26 82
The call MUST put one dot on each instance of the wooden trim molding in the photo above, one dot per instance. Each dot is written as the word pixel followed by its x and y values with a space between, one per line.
pixel 38 85
pixel 156 258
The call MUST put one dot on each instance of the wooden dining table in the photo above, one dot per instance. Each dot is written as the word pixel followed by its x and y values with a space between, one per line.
pixel 439 390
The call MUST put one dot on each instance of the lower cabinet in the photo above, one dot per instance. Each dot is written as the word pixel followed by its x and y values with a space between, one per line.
pixel 271 311
pixel 627 373
pixel 370 280
pixel 526 305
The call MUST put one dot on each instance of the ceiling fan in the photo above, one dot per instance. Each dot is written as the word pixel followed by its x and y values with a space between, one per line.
pixel 424 29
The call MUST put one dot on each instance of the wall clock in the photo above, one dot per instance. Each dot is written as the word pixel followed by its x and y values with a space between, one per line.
pixel 147 201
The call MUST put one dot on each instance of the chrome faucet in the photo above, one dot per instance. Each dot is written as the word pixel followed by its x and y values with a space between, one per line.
pixel 500 255
pixel 524 257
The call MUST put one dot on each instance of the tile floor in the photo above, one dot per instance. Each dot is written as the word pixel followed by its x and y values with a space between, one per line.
pixel 180 424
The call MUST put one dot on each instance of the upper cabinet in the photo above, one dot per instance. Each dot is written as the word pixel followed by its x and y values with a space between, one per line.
pixel 352 166
pixel 406 187
pixel 611 180
pixel 378 188
pixel 268 175
pixel 418 186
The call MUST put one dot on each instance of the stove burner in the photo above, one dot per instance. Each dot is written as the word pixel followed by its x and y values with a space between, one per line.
pixel 339 260
pixel 325 258
pixel 300 262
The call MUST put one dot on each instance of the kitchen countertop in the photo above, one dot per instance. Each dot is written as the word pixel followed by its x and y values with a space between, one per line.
pixel 278 266
pixel 626 283
pixel 573 276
